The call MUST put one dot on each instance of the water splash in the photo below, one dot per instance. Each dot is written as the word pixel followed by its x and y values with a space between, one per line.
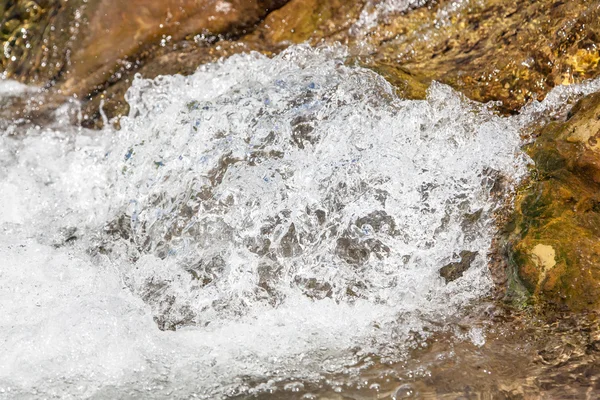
pixel 302 175
pixel 376 11
pixel 287 216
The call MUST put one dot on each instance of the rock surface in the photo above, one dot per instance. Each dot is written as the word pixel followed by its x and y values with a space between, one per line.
pixel 555 243
pixel 490 50
pixel 84 47
pixel 495 50
pixel 455 270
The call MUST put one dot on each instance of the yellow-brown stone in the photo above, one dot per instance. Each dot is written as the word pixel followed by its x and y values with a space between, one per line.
pixel 555 243
pixel 82 43
pixel 493 49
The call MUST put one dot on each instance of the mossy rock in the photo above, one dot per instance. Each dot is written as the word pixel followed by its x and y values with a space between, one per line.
pixel 555 243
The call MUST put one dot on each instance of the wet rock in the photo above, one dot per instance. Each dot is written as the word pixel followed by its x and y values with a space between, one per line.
pixel 455 270
pixel 85 47
pixel 168 315
pixel 206 272
pixel 311 20
pixel 352 251
pixel 379 221
pixel 554 240
pixel 289 243
pixel 489 50
pixel 83 42
pixel 494 50
pixel 35 38
pixel 118 32
pixel 357 252
pixel 314 288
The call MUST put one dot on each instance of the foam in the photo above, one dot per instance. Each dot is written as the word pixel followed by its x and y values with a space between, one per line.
pixel 183 219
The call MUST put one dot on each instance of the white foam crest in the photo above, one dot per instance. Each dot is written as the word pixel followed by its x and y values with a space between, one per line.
pixel 309 176
pixel 288 216
pixel 375 11
pixel 13 88
pixel 557 102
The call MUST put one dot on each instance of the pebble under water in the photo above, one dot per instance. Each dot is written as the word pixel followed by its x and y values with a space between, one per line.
pixel 260 221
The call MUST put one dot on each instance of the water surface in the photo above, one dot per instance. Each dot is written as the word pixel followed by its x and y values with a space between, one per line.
pixel 263 225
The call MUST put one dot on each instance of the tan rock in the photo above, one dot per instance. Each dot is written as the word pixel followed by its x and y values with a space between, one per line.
pixel 544 258
pixel 488 49
pixel 493 49
pixel 118 31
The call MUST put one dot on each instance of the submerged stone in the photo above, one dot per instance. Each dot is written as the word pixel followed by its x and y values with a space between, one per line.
pixel 453 271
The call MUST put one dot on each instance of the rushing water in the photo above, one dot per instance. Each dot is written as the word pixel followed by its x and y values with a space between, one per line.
pixel 261 221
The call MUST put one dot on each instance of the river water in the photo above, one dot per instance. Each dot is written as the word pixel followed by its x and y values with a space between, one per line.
pixel 260 226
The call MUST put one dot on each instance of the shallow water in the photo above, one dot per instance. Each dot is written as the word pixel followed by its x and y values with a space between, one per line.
pixel 264 225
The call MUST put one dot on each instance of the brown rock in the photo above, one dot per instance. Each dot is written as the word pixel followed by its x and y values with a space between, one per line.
pixel 86 47
pixel 495 50
pixel 35 38
pixel 489 50
pixel 555 243
pixel 117 31
pixel 455 270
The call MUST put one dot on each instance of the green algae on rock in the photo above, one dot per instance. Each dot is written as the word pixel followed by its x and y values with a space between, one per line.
pixel 555 241
pixel 35 38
